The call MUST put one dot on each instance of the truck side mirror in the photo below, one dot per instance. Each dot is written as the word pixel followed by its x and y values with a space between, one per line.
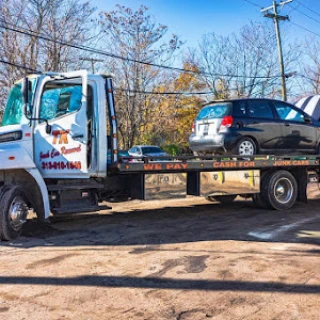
pixel 48 128
pixel 25 95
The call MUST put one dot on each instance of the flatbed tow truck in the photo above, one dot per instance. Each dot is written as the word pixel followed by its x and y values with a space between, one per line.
pixel 53 158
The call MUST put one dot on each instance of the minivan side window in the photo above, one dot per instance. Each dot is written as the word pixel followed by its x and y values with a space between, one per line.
pixel 259 109
pixel 239 109
pixel 286 112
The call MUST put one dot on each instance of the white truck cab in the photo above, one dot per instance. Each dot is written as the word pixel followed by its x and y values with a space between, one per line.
pixel 54 127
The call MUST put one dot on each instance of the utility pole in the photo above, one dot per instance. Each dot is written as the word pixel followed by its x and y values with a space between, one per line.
pixel 276 19
pixel 92 62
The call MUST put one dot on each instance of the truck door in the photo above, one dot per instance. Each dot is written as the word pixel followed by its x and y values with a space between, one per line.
pixel 63 152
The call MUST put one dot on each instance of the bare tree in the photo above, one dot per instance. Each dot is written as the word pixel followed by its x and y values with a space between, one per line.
pixel 243 64
pixel 137 37
pixel 311 67
pixel 68 22
pixel 34 35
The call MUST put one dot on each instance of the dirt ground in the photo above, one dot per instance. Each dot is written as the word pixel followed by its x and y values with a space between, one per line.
pixel 177 259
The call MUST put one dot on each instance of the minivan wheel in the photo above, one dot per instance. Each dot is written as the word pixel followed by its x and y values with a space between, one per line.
pixel 246 147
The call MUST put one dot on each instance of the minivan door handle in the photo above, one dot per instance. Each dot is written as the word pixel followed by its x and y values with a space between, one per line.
pixel 287 124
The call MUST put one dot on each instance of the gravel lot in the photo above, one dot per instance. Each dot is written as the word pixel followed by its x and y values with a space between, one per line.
pixel 177 259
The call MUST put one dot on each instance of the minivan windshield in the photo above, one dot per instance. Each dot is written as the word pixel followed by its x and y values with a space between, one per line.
pixel 217 110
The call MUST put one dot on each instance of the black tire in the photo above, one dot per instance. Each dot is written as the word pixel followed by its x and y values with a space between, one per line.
pixel 222 199
pixel 259 201
pixel 279 190
pixel 245 147
pixel 12 198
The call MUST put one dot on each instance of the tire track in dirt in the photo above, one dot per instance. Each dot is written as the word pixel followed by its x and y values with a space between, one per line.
pixel 48 262
pixel 191 264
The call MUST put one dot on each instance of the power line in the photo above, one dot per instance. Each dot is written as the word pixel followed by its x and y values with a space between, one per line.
pixel 111 55
pixel 306 15
pixel 297 25
pixel 186 93
pixel 300 12
pixel 308 78
pixel 163 93
pixel 302 4
pixel 253 3
pixel 136 91
pixel 19 66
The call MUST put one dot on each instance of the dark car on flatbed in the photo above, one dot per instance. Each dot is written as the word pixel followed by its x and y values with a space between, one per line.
pixel 254 126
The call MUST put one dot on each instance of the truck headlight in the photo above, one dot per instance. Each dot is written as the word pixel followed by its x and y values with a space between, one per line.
pixel 11 136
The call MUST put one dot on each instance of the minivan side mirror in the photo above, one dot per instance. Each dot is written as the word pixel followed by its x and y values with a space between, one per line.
pixel 307 119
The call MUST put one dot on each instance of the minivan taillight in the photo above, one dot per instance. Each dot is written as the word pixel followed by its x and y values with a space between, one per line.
pixel 226 123
pixel 192 128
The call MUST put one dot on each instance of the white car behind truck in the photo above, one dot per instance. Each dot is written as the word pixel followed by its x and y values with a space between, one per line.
pixel 53 158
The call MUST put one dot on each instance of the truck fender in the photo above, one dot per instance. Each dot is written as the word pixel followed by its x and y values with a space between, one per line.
pixel 43 190
pixel 13 156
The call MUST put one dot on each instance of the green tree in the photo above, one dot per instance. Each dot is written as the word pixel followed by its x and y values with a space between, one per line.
pixel 173 115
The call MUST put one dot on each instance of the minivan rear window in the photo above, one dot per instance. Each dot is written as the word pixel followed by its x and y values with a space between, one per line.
pixel 217 110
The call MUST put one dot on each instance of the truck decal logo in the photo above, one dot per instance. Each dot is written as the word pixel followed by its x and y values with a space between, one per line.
pixel 54 153
pixel 167 166
pixel 44 155
pixel 65 151
pixel 63 134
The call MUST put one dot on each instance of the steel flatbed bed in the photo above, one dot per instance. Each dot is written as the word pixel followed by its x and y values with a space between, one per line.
pixel 196 164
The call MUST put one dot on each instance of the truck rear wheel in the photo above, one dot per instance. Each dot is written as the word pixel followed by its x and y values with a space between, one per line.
pixel 222 199
pixel 279 190
pixel 259 201
pixel 13 212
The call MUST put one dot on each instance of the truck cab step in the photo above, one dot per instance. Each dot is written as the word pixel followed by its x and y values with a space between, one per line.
pixel 79 210
pixel 62 187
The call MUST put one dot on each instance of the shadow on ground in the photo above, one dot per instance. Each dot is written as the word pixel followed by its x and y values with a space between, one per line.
pixel 169 225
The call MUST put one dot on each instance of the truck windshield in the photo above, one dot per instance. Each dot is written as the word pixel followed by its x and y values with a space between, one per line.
pixel 13 113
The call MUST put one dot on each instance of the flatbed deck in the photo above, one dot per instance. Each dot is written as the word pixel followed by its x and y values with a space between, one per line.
pixel 196 164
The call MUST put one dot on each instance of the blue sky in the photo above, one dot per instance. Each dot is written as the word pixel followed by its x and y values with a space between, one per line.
pixel 191 19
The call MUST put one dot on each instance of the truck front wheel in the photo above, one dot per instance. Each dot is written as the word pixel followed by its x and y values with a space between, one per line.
pixel 13 212
pixel 279 190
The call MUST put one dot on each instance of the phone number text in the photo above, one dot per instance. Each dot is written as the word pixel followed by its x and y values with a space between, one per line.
pixel 61 165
